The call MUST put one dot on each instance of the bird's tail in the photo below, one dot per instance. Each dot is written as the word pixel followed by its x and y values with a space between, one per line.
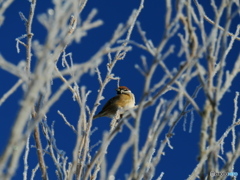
pixel 97 116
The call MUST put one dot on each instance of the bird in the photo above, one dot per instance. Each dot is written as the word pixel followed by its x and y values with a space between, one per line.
pixel 123 101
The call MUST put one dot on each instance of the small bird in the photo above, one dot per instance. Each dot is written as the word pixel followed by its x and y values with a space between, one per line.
pixel 123 101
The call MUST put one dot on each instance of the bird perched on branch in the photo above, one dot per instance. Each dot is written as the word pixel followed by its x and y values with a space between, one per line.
pixel 123 101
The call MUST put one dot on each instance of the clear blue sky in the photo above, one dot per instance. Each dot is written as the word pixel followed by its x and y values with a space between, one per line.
pixel 179 162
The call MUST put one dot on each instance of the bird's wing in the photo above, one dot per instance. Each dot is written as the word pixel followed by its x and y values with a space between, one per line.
pixel 110 102
pixel 109 108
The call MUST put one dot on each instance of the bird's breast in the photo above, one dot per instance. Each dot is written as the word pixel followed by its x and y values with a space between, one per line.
pixel 126 101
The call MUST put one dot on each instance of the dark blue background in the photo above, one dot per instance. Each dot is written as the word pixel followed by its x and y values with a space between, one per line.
pixel 179 162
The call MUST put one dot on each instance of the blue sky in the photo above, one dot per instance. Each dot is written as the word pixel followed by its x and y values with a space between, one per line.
pixel 178 162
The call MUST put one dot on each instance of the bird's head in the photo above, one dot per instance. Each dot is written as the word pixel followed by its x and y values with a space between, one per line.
pixel 123 90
